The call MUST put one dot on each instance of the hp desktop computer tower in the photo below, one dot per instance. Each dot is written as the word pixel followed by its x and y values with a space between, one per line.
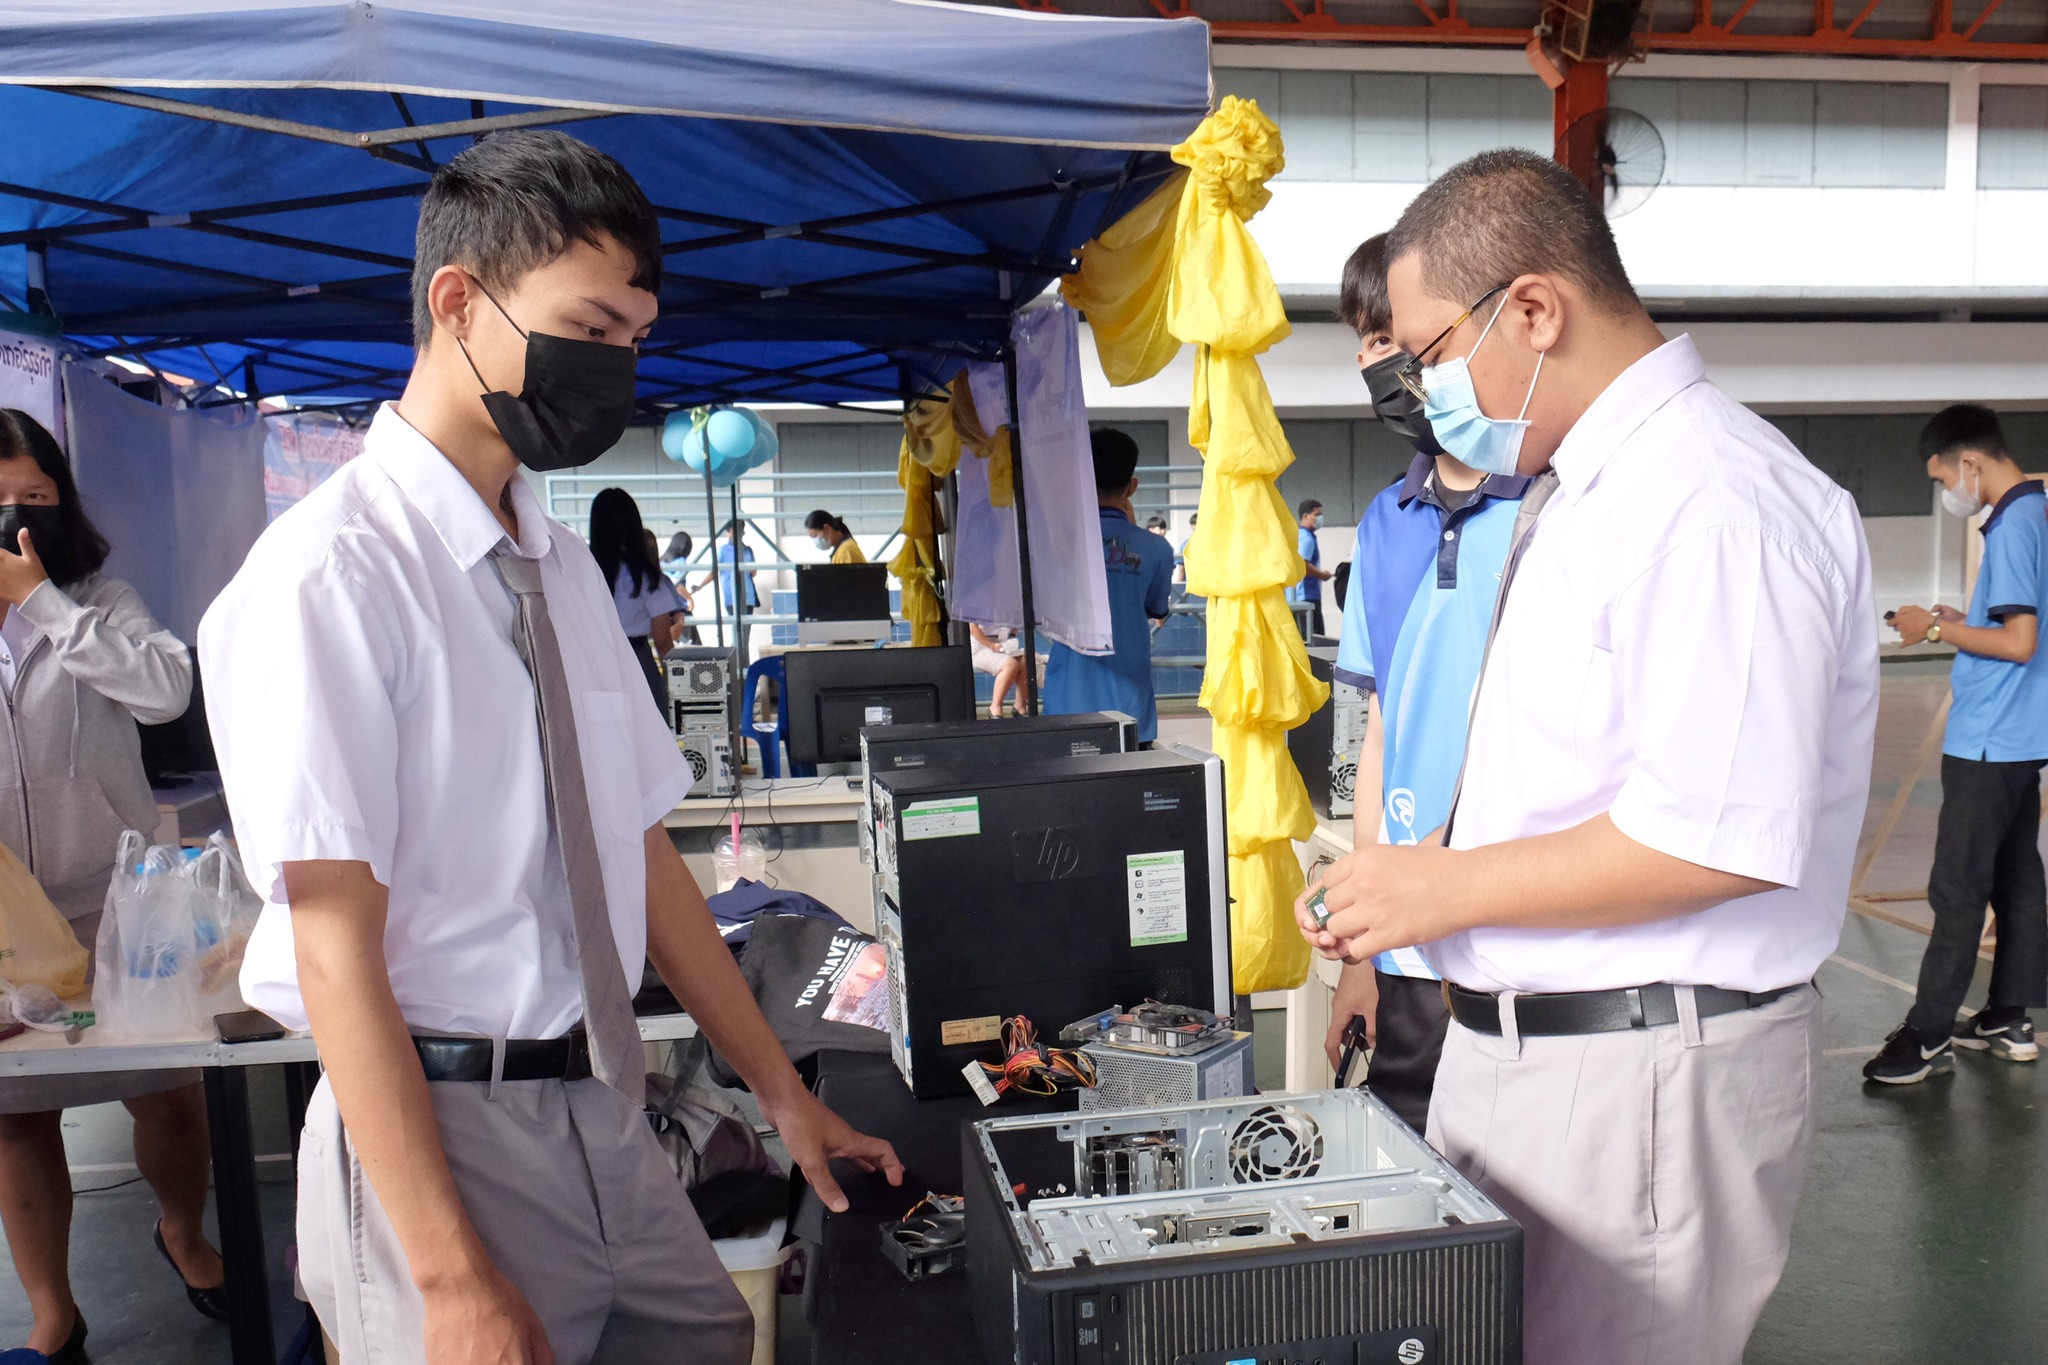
pixel 1049 888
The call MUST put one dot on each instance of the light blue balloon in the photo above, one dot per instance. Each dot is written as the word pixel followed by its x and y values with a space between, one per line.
pixel 692 445
pixel 765 442
pixel 730 434
pixel 675 432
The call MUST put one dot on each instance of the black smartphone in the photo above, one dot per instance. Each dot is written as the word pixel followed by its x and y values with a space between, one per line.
pixel 247 1026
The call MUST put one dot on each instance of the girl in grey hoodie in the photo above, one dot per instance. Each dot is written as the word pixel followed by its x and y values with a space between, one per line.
pixel 81 661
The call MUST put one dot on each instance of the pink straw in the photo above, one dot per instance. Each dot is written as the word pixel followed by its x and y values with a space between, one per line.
pixel 735 833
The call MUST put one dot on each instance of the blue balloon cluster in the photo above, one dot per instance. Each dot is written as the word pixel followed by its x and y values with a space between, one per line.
pixel 731 441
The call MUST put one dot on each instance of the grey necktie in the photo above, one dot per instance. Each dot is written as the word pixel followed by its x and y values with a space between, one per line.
pixel 615 1055
pixel 1539 491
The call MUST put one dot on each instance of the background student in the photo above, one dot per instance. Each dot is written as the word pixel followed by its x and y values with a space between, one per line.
pixel 621 546
pixel 1140 566
pixel 830 535
pixel 1985 847
pixel 1429 553
pixel 81 661
pixel 1309 520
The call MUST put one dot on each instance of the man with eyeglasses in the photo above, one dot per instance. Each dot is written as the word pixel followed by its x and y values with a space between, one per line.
pixel 1648 856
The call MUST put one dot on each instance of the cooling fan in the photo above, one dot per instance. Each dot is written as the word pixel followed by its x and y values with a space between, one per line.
pixel 1344 781
pixel 1275 1142
pixel 1622 150
pixel 700 767
pixel 706 679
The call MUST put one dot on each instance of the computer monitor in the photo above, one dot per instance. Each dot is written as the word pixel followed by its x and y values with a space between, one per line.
pixel 835 693
pixel 839 603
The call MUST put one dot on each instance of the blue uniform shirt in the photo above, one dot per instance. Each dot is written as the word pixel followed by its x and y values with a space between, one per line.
pixel 1310 589
pixel 1423 581
pixel 1140 565
pixel 2000 712
pixel 725 578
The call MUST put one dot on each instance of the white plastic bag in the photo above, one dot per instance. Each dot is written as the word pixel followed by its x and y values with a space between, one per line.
pixel 147 958
pixel 225 909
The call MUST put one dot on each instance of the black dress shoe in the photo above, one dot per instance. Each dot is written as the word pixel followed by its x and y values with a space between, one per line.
pixel 72 1352
pixel 211 1302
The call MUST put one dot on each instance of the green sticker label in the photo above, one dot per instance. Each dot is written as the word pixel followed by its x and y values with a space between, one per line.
pixel 945 819
pixel 1158 884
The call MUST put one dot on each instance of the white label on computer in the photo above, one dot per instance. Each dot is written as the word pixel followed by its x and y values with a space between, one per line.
pixel 1158 897
pixel 880 715
pixel 948 818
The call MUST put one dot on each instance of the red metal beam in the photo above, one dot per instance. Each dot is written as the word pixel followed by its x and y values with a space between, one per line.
pixel 1740 15
pixel 1988 11
pixel 1445 34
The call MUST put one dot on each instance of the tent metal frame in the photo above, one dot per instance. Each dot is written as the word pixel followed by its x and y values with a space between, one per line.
pixel 716 294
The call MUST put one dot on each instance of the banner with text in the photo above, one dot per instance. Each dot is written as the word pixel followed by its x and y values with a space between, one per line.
pixel 299 452
pixel 29 380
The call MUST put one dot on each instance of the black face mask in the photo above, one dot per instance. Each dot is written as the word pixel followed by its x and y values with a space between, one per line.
pixel 577 401
pixel 45 526
pixel 1395 406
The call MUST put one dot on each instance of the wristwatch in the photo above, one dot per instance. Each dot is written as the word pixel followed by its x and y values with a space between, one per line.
pixel 1934 633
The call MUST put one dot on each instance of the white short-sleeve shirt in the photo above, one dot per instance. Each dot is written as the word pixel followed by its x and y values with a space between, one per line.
pixel 368 704
pixel 1690 647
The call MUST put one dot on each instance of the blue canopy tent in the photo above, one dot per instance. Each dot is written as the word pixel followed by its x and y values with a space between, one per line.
pixel 856 193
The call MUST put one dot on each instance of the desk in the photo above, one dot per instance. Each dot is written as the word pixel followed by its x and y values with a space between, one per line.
pixel 226 1078
pixel 818 819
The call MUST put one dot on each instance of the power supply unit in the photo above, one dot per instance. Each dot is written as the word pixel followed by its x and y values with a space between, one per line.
pixel 1141 1080
pixel 1272 1228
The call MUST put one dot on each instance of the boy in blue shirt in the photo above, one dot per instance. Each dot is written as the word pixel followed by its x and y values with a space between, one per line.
pixel 1991 760
pixel 1425 571
pixel 1140 565
pixel 1309 520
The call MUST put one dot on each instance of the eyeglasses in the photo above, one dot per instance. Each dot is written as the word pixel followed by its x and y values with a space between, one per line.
pixel 1411 373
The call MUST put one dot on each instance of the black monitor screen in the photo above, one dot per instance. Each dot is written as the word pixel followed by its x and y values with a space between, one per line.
pixel 842 592
pixel 835 693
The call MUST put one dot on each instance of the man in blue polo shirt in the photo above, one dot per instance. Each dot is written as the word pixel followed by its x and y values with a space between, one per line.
pixel 1140 565
pixel 1991 760
pixel 1425 571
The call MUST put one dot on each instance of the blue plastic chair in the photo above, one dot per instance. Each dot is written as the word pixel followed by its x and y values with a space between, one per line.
pixel 771 737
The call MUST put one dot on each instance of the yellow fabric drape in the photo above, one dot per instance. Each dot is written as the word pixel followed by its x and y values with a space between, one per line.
pixel 931 447
pixel 1182 267
pixel 992 446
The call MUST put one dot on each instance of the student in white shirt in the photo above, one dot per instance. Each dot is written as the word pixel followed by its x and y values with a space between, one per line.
pixel 623 549
pixel 478 1185
pixel 1667 771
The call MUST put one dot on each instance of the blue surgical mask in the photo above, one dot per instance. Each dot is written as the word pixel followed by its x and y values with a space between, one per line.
pixel 1490 445
pixel 822 543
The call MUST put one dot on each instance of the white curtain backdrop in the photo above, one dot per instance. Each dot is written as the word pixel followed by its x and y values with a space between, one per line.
pixel 1069 584
pixel 179 494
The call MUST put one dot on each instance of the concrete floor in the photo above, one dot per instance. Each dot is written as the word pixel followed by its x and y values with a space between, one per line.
pixel 1921 1237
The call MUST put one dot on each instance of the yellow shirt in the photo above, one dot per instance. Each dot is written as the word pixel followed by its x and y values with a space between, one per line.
pixel 848 553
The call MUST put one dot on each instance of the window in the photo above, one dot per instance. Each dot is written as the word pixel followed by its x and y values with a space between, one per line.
pixel 2012 138
pixel 1832 134
pixel 1406 128
pixel 1344 462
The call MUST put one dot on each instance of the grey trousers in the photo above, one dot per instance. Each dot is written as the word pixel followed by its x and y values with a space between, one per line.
pixel 1654 1173
pixel 575 1203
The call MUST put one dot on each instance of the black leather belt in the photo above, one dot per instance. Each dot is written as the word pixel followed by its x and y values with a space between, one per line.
pixel 1559 1015
pixel 469 1059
